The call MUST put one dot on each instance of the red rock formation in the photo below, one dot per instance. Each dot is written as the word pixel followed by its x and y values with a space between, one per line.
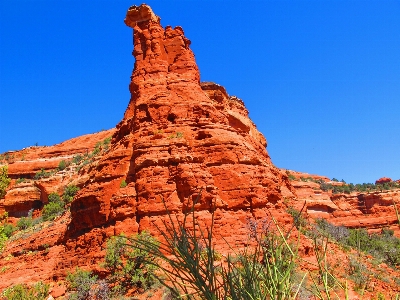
pixel 22 197
pixel 26 162
pixel 178 137
pixel 383 180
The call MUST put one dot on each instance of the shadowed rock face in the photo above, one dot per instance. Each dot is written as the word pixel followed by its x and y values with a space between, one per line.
pixel 178 137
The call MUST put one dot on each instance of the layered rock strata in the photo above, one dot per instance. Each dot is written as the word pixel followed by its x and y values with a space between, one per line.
pixel 179 142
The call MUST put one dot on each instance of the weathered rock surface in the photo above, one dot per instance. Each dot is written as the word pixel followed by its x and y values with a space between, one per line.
pixel 29 194
pixel 181 144
pixel 27 162
pixel 179 141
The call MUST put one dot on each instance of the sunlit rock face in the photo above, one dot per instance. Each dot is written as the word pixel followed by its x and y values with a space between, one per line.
pixel 179 142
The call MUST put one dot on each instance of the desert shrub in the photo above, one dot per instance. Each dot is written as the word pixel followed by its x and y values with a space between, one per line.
pixel 20 180
pixel 69 193
pixel 54 197
pixel 298 219
pixel 42 174
pixel 189 267
pixel 7 229
pixel 4 180
pixel 383 246
pixel 25 222
pixel 337 233
pixel 387 232
pixel 128 265
pixel 359 273
pixel 62 165
pixel 3 240
pixel 81 283
pixel 52 210
pixel 39 291
pixel 77 159
pixel 123 184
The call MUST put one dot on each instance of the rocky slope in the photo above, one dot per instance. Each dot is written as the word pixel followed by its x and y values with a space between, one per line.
pixel 180 144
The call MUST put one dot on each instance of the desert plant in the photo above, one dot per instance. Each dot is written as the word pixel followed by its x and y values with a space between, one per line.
pixel 81 283
pixel 25 222
pixel 39 291
pixel 52 210
pixel 359 273
pixel 4 180
pixel 77 159
pixel 69 193
pixel 62 165
pixel 42 174
pixel 123 184
pixel 129 265
pixel 190 269
pixel 20 180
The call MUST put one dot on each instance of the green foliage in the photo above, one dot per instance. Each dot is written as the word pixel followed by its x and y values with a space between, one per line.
pixel 6 230
pixel 3 240
pixel 20 180
pixel 298 219
pixel 42 174
pixel 4 180
pixel 77 159
pixel 383 246
pixel 39 291
pixel 359 273
pixel 364 187
pixel 81 282
pixel 190 269
pixel 128 264
pixel 52 210
pixel 123 184
pixel 62 165
pixel 69 193
pixel 25 222
pixel 54 197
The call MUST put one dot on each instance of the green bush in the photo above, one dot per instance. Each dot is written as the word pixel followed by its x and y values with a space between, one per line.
pixel 54 197
pixel 7 229
pixel 62 165
pixel 189 266
pixel 52 210
pixel 25 222
pixel 77 159
pixel 42 174
pixel 4 181
pixel 128 265
pixel 69 193
pixel 81 282
pixel 123 184
pixel 39 291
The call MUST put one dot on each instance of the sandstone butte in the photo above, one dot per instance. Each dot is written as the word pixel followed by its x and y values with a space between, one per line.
pixel 182 143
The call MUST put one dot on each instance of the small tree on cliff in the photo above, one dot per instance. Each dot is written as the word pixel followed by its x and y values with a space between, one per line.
pixel 4 180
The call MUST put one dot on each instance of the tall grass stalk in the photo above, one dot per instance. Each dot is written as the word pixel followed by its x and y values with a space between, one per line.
pixel 190 269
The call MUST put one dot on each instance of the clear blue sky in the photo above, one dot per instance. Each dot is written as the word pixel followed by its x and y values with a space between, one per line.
pixel 321 79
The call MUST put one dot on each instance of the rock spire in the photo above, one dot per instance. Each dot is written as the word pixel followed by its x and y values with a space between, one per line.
pixel 178 137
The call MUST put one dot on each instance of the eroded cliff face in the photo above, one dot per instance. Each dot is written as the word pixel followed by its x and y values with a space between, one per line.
pixel 179 141
pixel 24 193
pixel 372 210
